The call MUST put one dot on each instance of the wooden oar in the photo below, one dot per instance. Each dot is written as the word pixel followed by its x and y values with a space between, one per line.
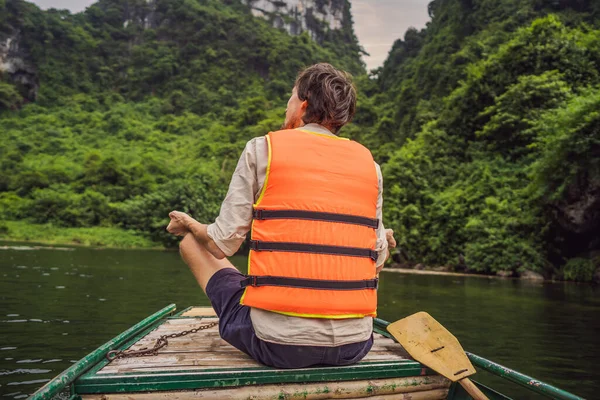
pixel 428 342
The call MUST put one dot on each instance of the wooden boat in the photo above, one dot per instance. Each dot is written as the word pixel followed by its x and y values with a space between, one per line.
pixel 203 366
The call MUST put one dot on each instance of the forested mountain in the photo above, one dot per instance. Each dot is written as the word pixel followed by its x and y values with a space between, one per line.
pixel 120 114
pixel 486 122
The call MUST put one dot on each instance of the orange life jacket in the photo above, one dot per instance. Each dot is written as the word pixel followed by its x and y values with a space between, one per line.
pixel 314 230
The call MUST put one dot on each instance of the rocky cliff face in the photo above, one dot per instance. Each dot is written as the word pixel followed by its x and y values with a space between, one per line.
pixel 297 16
pixel 326 21
pixel 13 64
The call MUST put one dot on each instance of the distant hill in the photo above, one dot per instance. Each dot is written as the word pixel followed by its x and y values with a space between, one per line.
pixel 117 115
pixel 488 123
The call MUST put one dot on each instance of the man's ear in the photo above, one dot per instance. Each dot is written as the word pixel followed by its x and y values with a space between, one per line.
pixel 304 105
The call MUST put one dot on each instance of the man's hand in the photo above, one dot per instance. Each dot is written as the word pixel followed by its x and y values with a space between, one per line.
pixel 179 224
pixel 389 235
pixel 182 224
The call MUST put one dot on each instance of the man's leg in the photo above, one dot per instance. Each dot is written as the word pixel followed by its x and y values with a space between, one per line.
pixel 201 262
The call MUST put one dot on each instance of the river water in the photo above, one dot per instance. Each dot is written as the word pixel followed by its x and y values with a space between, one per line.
pixel 57 305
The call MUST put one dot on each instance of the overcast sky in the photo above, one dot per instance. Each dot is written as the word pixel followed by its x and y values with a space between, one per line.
pixel 378 23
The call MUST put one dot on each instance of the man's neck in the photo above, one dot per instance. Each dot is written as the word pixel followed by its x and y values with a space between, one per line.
pixel 316 128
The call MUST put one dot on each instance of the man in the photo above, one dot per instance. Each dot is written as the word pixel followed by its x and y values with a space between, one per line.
pixel 313 203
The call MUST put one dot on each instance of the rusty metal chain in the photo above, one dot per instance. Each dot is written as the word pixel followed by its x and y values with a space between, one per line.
pixel 160 343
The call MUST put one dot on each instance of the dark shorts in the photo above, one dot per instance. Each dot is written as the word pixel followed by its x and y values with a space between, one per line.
pixel 224 291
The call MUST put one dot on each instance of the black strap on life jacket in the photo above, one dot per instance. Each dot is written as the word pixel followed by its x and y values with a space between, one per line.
pixel 257 245
pixel 261 214
pixel 257 281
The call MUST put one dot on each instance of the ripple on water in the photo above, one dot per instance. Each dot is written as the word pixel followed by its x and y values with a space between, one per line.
pixel 28 361
pixel 7 348
pixel 60 287
pixel 25 371
pixel 27 382
pixel 52 360
pixel 15 320
pixel 12 315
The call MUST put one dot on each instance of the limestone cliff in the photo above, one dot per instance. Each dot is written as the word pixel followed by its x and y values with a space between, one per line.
pixel 14 65
pixel 296 16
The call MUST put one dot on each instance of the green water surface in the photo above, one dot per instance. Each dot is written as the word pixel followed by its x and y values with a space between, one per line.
pixel 58 305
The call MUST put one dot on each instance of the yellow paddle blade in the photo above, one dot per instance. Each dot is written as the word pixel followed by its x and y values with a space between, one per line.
pixel 428 342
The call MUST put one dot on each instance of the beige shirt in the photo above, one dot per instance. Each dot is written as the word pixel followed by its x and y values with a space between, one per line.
pixel 229 232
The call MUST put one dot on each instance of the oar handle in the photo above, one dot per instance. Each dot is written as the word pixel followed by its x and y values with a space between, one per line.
pixel 473 390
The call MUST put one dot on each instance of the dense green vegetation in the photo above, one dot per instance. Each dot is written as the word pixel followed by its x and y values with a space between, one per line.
pixel 142 111
pixel 495 108
pixel 486 123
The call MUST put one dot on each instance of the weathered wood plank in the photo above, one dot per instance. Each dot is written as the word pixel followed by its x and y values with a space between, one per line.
pixel 201 343
pixel 188 321
pixel 215 343
pixel 198 368
pixel 211 341
pixel 205 349
pixel 207 359
pixel 415 388
pixel 199 312
pixel 203 340
pixel 198 360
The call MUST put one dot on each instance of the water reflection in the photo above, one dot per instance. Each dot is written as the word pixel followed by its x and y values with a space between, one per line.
pixel 60 305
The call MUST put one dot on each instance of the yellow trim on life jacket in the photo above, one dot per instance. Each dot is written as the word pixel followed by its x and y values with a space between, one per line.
pixel 346 316
pixel 333 136
pixel 260 197
pixel 264 188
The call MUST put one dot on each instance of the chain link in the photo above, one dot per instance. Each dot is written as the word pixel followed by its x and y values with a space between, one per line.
pixel 160 343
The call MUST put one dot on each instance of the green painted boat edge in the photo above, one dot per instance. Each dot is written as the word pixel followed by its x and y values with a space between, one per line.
pixel 140 335
pixel 192 317
pixel 83 373
pixel 90 373
pixel 103 362
pixel 457 392
pixel 526 381
pixel 180 380
pixel 54 386
pixel 178 314
pixel 380 326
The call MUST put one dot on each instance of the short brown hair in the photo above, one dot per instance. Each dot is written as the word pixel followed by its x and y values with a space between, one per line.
pixel 330 94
